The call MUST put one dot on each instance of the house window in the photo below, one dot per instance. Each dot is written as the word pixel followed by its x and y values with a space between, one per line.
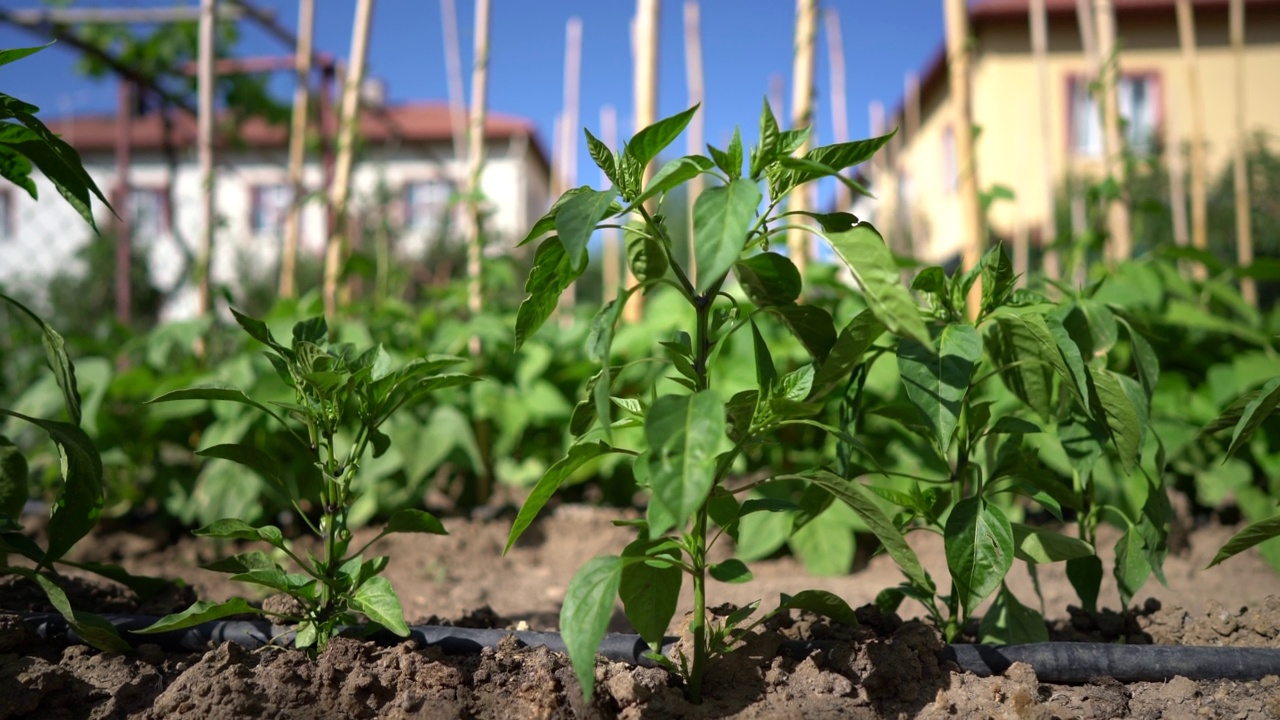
pixel 147 216
pixel 268 207
pixel 7 231
pixel 427 204
pixel 1138 99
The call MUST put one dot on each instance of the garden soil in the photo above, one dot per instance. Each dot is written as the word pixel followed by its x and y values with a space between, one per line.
pixel 884 667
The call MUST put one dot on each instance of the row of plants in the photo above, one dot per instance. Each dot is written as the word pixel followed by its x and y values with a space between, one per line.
pixel 742 413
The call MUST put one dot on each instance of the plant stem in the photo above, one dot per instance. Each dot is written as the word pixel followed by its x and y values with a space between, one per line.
pixel 698 624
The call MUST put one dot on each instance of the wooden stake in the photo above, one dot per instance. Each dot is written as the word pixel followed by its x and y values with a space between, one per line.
pixel 1038 19
pixel 645 106
pixel 1199 196
pixel 568 157
pixel 204 144
pixel 914 229
pixel 802 71
pixel 297 147
pixel 1120 247
pixel 957 18
pixel 123 224
pixel 839 105
pixel 453 72
pixel 1244 229
pixel 1177 181
pixel 348 123
pixel 611 265
pixel 697 96
pixel 475 165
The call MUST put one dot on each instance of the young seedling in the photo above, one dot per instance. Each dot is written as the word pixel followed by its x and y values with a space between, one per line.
pixel 341 399
pixel 690 435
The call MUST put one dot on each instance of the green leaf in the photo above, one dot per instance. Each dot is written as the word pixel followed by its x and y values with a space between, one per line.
pixel 1009 622
pixel 200 612
pixel 551 481
pixel 1144 359
pixel 766 373
pixel 603 157
pixel 599 349
pixel 14 54
pixel 547 222
pixel 979 549
pixel 1253 534
pixel 551 274
pixel 1085 575
pixel 13 479
pixel 1091 325
pixel 17 169
pixel 730 161
pixel 379 602
pixel 1132 564
pixel 646 144
pixel 585 615
pixel 730 571
pixel 409 520
pixel 59 162
pixel 256 460
pixel 820 602
pixel 650 587
pixel 840 156
pixel 55 351
pixel 683 433
pixel 216 392
pixel 766 152
pixel 1254 413
pixel 768 279
pixel 577 219
pixel 852 343
pixel 863 251
pixel 824 544
pixel 94 629
pixel 243 563
pixel 233 529
pixel 862 502
pixel 721 217
pixel 833 222
pixel 811 325
pixel 669 176
pixel 1123 416
pixel 646 255
pixel 144 586
pixel 937 380
pixel 1038 545
pixel 997 279
pixel 81 497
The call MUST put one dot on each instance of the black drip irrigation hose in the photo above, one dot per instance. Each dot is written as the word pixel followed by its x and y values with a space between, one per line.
pixel 1055 662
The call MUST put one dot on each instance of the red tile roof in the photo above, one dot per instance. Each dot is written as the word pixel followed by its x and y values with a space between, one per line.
pixel 409 122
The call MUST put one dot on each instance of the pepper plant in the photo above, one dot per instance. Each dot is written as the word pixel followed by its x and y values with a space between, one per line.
pixel 689 434
pixel 341 398
pixel 1015 408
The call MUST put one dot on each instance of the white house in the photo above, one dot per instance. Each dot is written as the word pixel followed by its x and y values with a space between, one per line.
pixel 406 162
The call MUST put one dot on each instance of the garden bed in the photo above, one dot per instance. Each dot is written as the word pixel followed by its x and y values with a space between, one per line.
pixel 884 667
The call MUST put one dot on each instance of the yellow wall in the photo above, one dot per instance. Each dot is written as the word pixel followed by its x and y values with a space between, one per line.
pixel 1006 107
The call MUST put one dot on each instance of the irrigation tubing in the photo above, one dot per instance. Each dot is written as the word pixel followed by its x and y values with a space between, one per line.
pixel 1053 662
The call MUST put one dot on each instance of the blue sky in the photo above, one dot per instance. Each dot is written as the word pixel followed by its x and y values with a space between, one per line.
pixel 745 43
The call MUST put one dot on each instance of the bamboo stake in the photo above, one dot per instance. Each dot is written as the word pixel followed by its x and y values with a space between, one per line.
pixel 204 142
pixel 348 123
pixel 697 96
pixel 123 225
pixel 913 230
pixel 957 19
pixel 1199 213
pixel 802 72
pixel 1038 18
pixel 1177 182
pixel 453 73
pixel 569 142
pixel 475 165
pixel 839 104
pixel 646 106
pixel 1021 252
pixel 297 147
pixel 1244 230
pixel 611 267
pixel 1118 226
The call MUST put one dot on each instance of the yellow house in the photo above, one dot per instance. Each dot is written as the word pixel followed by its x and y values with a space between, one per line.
pixel 916 180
